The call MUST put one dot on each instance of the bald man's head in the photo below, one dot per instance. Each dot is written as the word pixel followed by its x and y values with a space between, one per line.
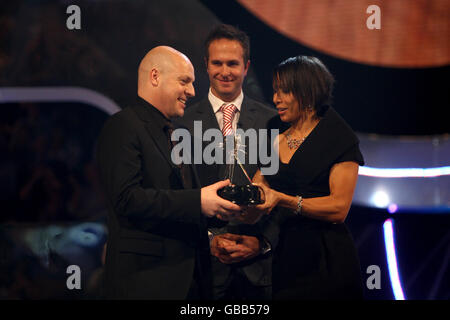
pixel 161 58
pixel 165 79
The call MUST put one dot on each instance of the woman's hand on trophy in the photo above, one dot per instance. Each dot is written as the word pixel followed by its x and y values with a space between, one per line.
pixel 252 214
pixel 271 199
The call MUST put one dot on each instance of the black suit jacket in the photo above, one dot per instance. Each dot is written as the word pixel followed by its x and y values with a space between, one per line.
pixel 253 115
pixel 156 229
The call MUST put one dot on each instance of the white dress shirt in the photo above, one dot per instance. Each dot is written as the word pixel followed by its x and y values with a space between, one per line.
pixel 216 103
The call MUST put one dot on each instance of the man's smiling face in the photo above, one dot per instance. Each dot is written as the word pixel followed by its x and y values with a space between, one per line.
pixel 226 68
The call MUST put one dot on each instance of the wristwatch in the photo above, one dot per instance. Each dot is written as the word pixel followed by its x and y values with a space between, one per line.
pixel 264 245
pixel 210 236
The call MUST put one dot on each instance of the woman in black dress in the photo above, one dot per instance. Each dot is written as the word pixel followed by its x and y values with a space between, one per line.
pixel 311 194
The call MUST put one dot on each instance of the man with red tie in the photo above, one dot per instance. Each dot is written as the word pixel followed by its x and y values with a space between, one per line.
pixel 241 254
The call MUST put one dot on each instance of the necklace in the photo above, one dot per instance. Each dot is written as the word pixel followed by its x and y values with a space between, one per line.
pixel 294 143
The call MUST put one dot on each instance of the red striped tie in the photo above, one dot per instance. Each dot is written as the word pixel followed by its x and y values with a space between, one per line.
pixel 228 115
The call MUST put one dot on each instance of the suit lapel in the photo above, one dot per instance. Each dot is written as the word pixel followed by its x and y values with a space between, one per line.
pixel 205 113
pixel 248 114
pixel 160 140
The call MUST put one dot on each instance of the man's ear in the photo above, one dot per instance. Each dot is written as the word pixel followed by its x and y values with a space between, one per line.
pixel 206 62
pixel 247 65
pixel 154 77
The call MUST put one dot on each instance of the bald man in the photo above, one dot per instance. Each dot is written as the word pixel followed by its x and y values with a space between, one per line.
pixel 157 239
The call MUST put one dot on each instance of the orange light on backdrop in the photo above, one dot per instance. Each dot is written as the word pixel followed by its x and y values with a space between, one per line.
pixel 413 33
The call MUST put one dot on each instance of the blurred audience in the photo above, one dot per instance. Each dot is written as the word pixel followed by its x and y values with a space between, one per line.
pixel 47 178
pixel 47 170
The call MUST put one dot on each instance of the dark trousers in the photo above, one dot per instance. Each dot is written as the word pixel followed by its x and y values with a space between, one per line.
pixel 238 287
pixel 201 285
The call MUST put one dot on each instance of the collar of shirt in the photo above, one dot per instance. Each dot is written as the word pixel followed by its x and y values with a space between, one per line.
pixel 159 119
pixel 216 102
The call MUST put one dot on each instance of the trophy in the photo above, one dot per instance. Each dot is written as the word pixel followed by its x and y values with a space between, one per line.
pixel 245 194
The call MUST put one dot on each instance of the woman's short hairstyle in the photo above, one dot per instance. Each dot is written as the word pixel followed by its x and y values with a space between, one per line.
pixel 308 80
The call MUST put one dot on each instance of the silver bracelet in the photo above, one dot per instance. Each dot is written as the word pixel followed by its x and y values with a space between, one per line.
pixel 298 210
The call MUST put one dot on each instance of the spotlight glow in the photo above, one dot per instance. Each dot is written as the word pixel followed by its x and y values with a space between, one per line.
pixel 380 199
pixel 404 172
pixel 392 259
pixel 392 208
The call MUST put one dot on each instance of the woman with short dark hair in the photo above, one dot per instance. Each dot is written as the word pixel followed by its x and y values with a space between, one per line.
pixel 312 192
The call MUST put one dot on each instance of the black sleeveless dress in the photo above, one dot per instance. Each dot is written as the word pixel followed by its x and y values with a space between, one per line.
pixel 315 259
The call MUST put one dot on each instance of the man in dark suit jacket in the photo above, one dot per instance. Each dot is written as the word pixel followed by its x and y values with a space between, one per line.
pixel 242 258
pixel 156 220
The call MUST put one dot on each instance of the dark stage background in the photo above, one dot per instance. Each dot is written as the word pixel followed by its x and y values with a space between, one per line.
pixel 53 208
